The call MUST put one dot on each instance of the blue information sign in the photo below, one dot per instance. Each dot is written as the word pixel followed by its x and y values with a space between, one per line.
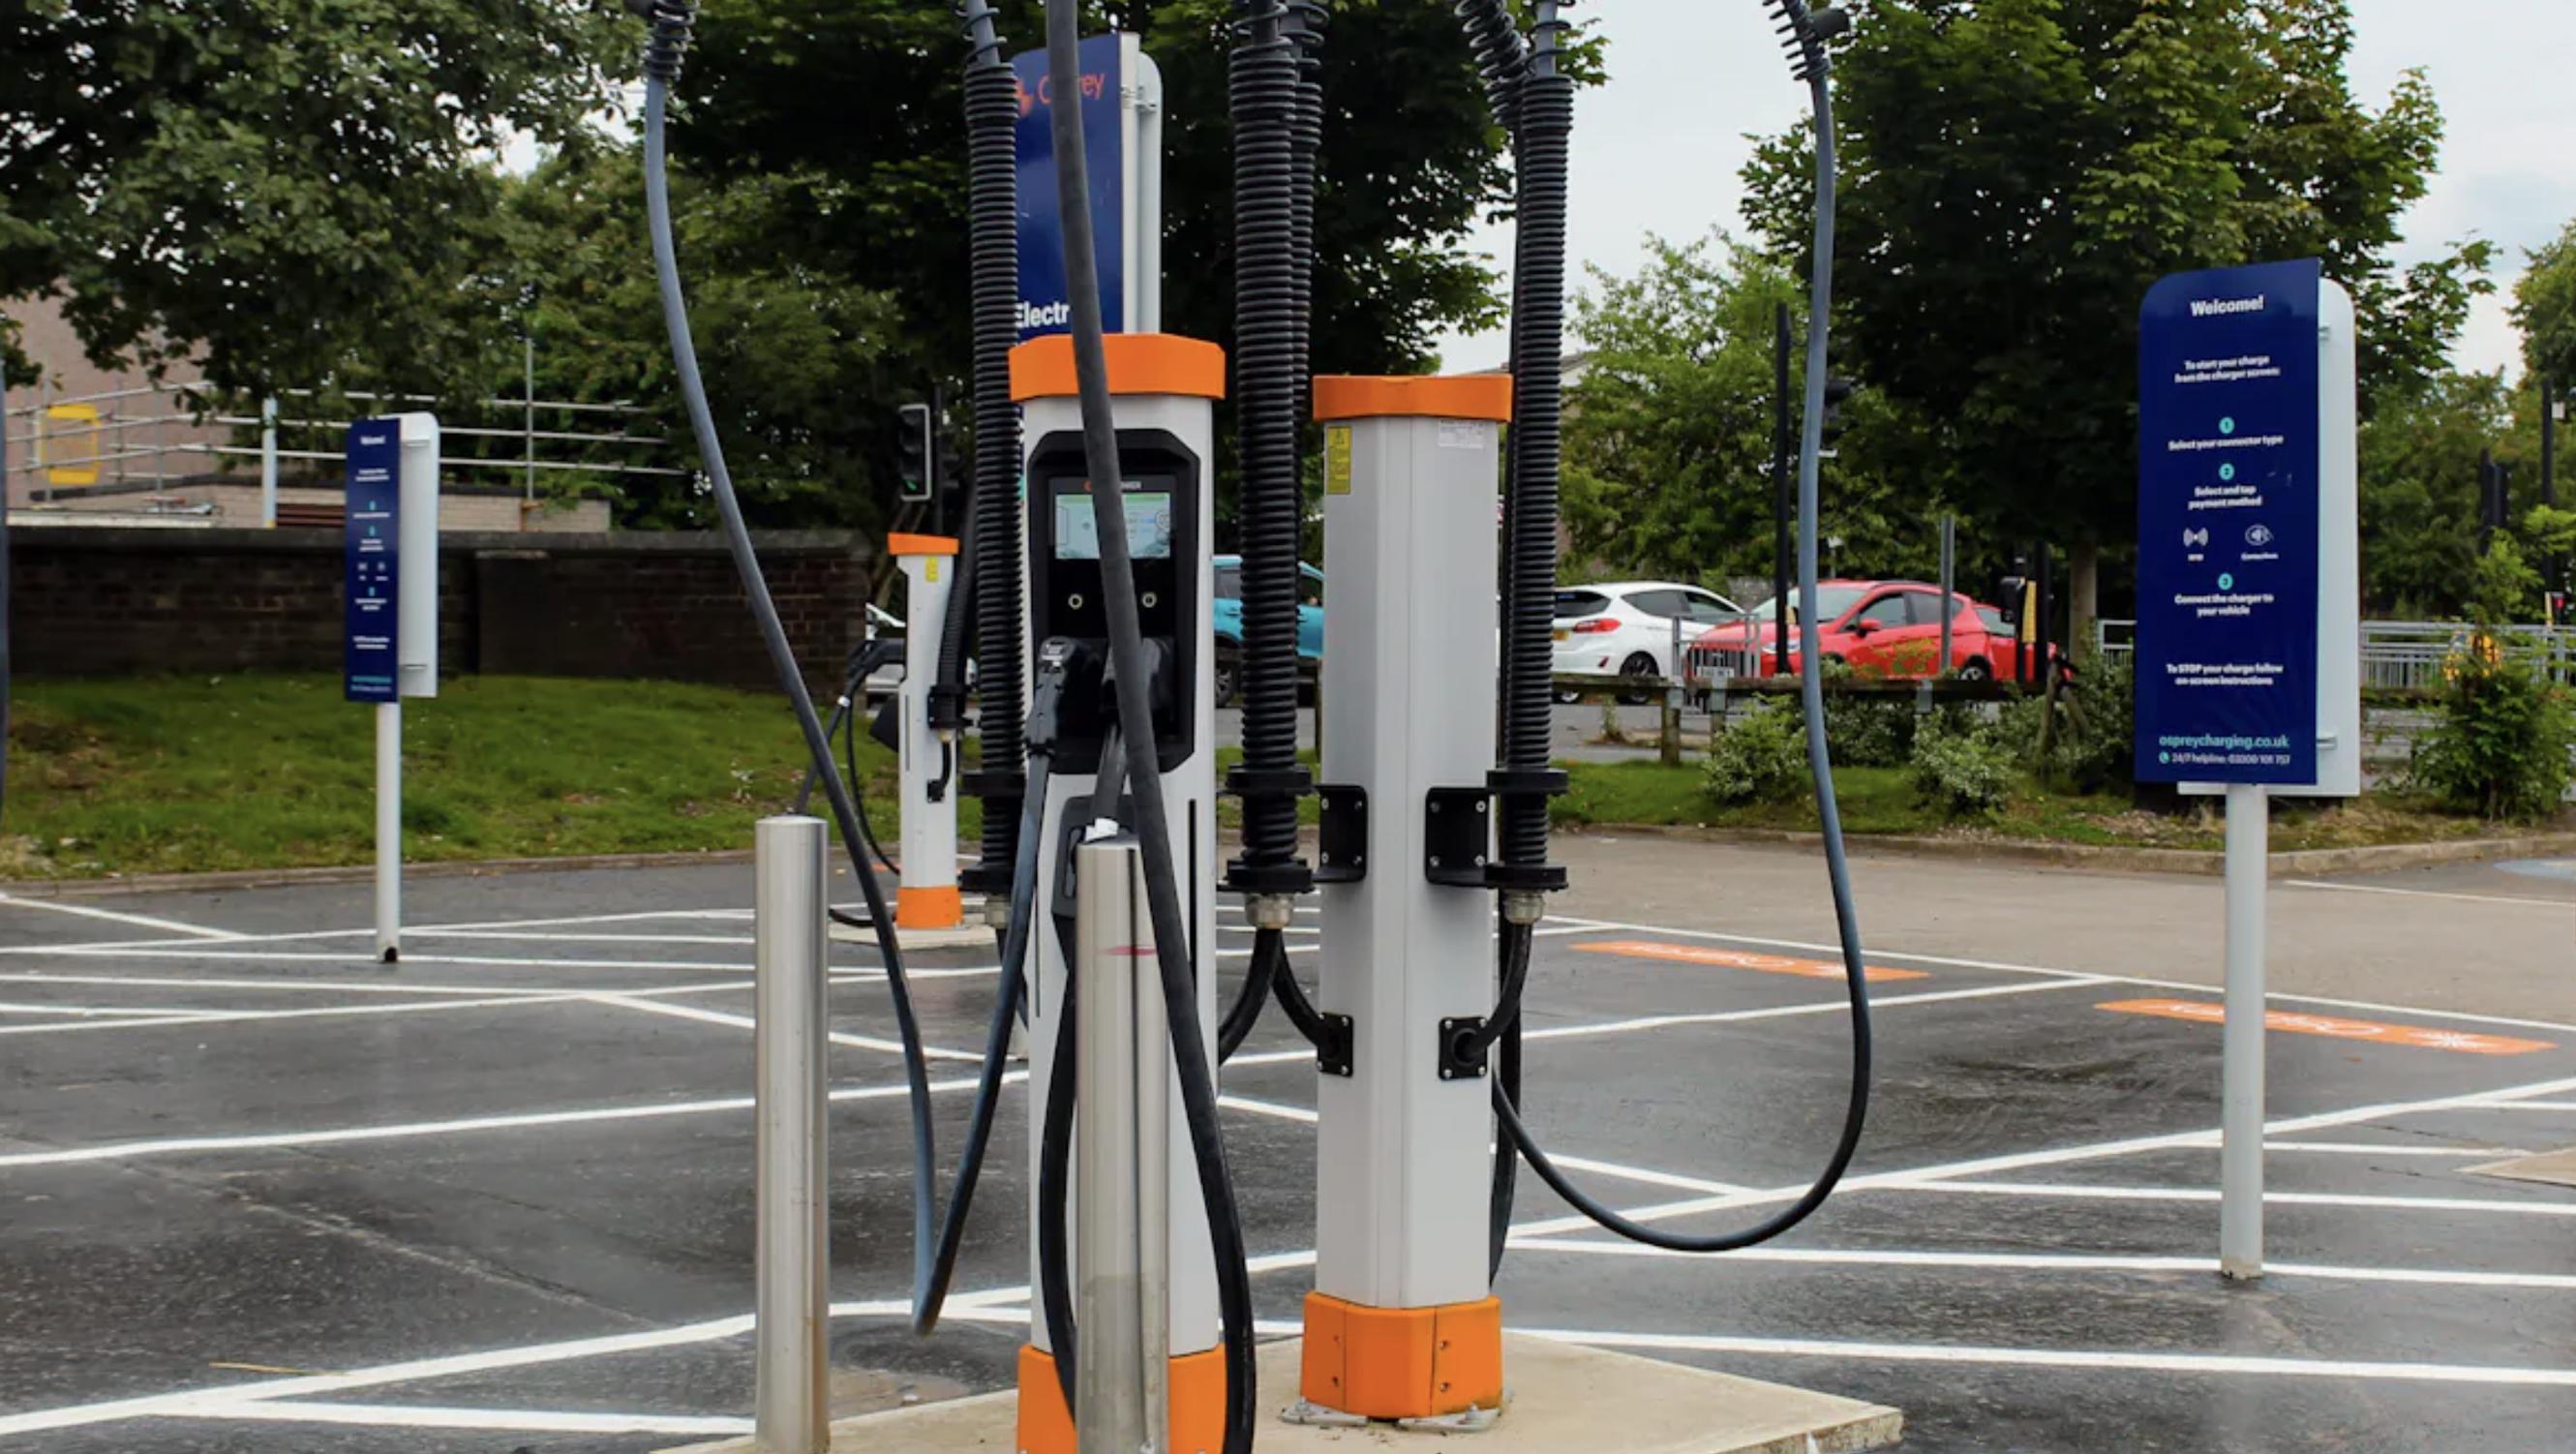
pixel 372 560
pixel 2228 536
pixel 1044 298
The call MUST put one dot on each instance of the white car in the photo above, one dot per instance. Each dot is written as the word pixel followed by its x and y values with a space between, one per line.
pixel 1626 628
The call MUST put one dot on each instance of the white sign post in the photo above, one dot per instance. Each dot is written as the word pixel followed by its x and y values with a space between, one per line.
pixel 2249 609
pixel 390 648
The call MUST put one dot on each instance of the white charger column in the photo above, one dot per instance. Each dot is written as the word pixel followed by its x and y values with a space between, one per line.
pixel 1164 390
pixel 1402 1323
pixel 928 767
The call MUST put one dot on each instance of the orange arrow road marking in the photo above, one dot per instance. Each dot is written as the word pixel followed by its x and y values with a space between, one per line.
pixel 2461 1041
pixel 1739 959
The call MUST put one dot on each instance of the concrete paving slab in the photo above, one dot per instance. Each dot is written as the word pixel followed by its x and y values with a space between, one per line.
pixel 1560 1397
pixel 2550 1168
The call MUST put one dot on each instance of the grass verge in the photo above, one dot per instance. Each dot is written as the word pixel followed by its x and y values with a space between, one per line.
pixel 195 774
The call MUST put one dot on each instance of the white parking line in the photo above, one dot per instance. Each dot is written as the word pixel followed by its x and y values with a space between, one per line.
pixel 85 911
pixel 106 1011
pixel 2368 1148
pixel 388 986
pixel 317 1012
pixel 519 1121
pixel 404 1416
pixel 1726 1017
pixel 2088 1192
pixel 746 1022
pixel 2526 902
pixel 2053 1262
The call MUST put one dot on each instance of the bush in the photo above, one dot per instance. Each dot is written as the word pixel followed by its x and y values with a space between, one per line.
pixel 2500 741
pixel 2097 726
pixel 1872 731
pixel 1962 772
pixel 1762 758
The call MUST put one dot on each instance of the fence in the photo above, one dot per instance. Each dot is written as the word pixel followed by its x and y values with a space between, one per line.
pixel 2409 655
pixel 155 438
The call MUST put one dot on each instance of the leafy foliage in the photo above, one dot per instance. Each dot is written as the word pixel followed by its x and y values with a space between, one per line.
pixel 2544 308
pixel 1669 428
pixel 1760 758
pixel 784 347
pixel 287 185
pixel 2419 493
pixel 828 143
pixel 2019 171
pixel 1961 770
pixel 2501 746
pixel 2097 727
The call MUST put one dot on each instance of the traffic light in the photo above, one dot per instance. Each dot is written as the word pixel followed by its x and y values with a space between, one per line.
pixel 950 465
pixel 1837 390
pixel 915 459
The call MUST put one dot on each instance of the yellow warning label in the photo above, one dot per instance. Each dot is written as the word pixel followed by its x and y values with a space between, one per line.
pixel 1337 459
pixel 930 569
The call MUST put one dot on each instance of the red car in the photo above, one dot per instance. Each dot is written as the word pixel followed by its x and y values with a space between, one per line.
pixel 1887 629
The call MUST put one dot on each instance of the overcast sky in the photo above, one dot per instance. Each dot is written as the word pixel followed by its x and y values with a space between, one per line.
pixel 1658 149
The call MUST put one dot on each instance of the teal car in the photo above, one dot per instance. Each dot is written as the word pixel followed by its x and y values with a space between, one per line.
pixel 1227 619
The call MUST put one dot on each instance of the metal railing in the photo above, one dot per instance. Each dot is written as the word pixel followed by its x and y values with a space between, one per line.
pixel 1704 668
pixel 2410 655
pixel 161 436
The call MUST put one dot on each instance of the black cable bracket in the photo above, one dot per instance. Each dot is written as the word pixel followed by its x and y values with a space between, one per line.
pixel 1336 1045
pixel 1342 834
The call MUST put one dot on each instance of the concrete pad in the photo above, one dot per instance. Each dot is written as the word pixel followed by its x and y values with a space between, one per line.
pixel 2550 1168
pixel 1560 1398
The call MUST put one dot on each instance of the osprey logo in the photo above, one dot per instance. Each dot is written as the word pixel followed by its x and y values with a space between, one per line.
pixel 2195 537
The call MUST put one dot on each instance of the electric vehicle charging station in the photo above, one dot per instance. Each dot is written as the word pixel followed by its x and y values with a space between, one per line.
pixel 927 897
pixel 1165 390
pixel 389 646
pixel 1098 782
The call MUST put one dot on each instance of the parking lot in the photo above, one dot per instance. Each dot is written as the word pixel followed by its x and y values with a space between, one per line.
pixel 265 1194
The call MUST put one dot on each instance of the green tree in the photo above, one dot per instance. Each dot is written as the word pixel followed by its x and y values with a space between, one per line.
pixel 284 187
pixel 866 95
pixel 1669 427
pixel 2018 172
pixel 2419 493
pixel 2544 308
pixel 839 224
pixel 784 348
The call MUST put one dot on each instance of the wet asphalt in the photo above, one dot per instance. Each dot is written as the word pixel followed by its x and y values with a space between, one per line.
pixel 229 1163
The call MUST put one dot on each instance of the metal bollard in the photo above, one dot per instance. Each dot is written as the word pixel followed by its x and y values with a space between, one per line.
pixel 792 1252
pixel 2240 1156
pixel 1122 1161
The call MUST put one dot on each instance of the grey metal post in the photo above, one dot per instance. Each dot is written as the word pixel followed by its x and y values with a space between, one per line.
pixel 44 480
pixel 268 461
pixel 528 439
pixel 5 682
pixel 1668 737
pixel 1121 1266
pixel 2240 1156
pixel 389 830
pixel 1949 582
pixel 792 1252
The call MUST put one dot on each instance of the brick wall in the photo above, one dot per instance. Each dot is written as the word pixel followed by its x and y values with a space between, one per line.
pixel 88 601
